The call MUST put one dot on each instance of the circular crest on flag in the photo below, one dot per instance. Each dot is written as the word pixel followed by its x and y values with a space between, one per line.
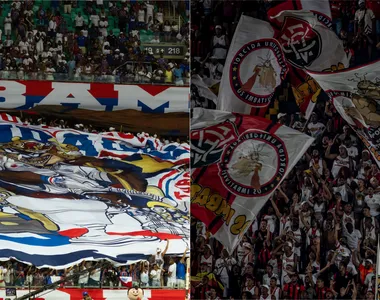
pixel 256 70
pixel 301 44
pixel 254 164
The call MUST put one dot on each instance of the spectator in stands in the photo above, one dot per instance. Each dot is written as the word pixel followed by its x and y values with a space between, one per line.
pixel 50 29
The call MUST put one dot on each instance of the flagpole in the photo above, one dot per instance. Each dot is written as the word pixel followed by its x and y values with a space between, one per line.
pixel 377 269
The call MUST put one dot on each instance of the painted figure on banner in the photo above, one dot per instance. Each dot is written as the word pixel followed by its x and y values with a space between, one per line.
pixel 266 74
pixel 249 163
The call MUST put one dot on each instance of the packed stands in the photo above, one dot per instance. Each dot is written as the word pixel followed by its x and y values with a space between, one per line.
pixel 101 41
pixel 317 236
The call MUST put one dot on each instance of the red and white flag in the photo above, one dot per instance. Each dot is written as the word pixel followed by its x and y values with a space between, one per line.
pixel 126 281
pixel 254 67
pixel 309 45
pixel 356 93
pixel 247 158
pixel 321 8
pixel 9 118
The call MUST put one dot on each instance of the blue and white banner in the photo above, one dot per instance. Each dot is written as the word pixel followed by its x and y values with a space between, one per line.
pixel 66 196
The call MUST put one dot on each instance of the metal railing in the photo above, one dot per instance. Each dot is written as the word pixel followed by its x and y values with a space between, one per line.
pixel 129 75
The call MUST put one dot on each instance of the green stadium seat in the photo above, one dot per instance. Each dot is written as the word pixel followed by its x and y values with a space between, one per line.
pixel 116 31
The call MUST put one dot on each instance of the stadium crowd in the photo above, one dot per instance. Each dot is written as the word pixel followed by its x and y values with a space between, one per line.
pixel 317 236
pixel 92 40
pixel 159 271
pixel 72 123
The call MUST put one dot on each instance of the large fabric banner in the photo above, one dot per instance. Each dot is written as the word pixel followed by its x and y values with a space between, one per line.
pixel 89 196
pixel 309 45
pixel 355 94
pixel 99 294
pixel 247 158
pixel 255 66
pixel 321 8
pixel 94 96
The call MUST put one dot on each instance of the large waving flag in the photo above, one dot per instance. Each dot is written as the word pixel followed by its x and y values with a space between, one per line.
pixel 247 158
pixel 321 8
pixel 309 45
pixel 355 94
pixel 255 66
pixel 67 196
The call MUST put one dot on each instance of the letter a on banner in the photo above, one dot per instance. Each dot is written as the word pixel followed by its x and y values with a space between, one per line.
pixel 255 66
pixel 238 161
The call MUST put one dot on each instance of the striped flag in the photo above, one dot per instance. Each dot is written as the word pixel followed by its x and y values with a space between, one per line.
pixel 9 118
pixel 126 281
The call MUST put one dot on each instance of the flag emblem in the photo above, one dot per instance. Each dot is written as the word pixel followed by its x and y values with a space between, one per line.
pixel 301 44
pixel 248 162
pixel 256 70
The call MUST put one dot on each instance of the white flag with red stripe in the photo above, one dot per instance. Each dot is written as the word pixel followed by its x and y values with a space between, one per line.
pixel 321 8
pixel 254 67
pixel 126 281
pixel 355 94
pixel 247 158
pixel 9 118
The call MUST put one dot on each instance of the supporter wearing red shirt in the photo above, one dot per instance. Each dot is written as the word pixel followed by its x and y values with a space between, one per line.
pixel 294 290
pixel 320 289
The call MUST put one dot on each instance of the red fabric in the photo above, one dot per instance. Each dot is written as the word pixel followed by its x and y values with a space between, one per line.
pixel 336 8
pixel 375 7
pixel 294 290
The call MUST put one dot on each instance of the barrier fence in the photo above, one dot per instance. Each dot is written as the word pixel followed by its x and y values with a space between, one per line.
pixel 130 73
pixel 96 294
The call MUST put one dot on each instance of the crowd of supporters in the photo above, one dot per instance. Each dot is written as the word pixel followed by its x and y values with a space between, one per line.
pixel 100 40
pixel 159 271
pixel 72 123
pixel 317 236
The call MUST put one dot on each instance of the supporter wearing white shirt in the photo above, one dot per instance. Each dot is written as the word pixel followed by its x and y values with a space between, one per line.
pixel 83 278
pixel 85 32
pixel 95 20
pixel 8 25
pixel 144 277
pixel 373 202
pixel 172 274
pixel 149 11
pixel 155 275
pixel 141 16
pixel 351 149
pixel 27 61
pixel 103 25
pixel 28 13
pixel 95 277
pixel 52 25
pixel 156 40
pixel 3 271
pixel 315 128
pixel 79 21
pixel 223 266
pixel 160 16
pixel 8 275
pixel 353 235
pixel 23 45
pixel 59 37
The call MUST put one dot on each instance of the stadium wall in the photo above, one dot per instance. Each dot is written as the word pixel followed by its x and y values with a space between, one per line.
pixel 23 95
pixel 99 294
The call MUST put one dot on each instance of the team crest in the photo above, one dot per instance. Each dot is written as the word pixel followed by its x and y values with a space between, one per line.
pixel 254 164
pixel 207 144
pixel 256 70
pixel 301 44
